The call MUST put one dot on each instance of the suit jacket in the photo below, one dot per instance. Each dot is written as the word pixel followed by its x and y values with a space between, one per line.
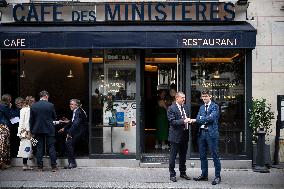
pixel 42 115
pixel 79 125
pixel 210 120
pixel 177 133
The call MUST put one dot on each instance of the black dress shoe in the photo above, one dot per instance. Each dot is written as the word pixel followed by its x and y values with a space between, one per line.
pixel 216 180
pixel 185 177
pixel 70 166
pixel 39 168
pixel 201 178
pixel 54 168
pixel 173 179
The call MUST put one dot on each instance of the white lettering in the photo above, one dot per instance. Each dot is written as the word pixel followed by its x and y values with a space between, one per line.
pixel 205 42
pixel 217 41
pixel 223 42
pixel 184 41
pixel 209 42
pixel 6 42
pixel 14 43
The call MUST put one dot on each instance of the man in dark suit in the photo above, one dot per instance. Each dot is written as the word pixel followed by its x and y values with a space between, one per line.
pixel 74 130
pixel 178 116
pixel 42 116
pixel 207 119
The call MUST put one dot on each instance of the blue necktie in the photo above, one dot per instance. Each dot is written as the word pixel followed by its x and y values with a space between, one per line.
pixel 206 109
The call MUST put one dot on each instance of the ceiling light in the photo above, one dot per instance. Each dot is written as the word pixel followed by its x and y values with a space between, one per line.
pixel 70 75
pixel 23 75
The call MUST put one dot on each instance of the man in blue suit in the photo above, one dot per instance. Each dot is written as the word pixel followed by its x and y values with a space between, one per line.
pixel 178 116
pixel 207 119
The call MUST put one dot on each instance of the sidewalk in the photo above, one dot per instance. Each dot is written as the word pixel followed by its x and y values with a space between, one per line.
pixel 121 177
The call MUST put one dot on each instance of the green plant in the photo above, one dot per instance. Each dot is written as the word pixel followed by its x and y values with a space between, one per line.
pixel 260 116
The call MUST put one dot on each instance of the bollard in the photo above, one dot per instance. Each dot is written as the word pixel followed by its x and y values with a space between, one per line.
pixel 260 157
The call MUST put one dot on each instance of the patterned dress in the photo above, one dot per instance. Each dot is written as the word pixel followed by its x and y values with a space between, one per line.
pixel 4 144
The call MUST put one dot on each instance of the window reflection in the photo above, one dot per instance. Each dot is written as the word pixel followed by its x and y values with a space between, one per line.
pixel 113 103
pixel 222 72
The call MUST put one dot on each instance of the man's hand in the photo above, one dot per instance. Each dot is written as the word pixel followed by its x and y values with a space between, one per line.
pixel 68 136
pixel 61 130
pixel 192 121
pixel 187 120
pixel 63 121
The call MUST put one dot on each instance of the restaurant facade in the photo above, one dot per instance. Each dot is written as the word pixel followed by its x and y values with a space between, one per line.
pixel 117 57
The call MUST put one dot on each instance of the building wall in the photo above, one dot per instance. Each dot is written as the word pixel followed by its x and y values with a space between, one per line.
pixel 268 56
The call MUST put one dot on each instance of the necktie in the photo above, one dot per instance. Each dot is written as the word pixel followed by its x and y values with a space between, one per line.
pixel 182 112
pixel 184 117
pixel 206 109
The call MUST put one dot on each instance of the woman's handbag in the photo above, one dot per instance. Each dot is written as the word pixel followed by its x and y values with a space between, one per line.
pixel 25 149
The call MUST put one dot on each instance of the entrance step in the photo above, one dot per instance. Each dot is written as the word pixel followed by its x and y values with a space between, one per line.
pixel 148 162
pixel 155 159
pixel 83 162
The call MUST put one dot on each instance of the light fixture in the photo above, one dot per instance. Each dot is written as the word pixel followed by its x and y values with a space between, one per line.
pixel 116 74
pixel 3 3
pixel 23 75
pixel 242 2
pixel 70 75
pixel 216 75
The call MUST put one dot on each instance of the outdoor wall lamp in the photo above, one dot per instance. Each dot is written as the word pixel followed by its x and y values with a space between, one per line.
pixel 3 3
pixel 242 2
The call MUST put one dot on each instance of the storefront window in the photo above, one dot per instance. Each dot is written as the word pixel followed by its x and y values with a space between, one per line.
pixel 64 74
pixel 222 72
pixel 113 102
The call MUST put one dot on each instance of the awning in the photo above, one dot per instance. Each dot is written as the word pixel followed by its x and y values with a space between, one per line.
pixel 241 35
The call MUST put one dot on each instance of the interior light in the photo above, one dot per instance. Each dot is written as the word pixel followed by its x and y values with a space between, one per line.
pixel 70 75
pixel 23 75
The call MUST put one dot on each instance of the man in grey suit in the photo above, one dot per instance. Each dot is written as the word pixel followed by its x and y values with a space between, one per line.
pixel 178 116
pixel 207 119
pixel 42 116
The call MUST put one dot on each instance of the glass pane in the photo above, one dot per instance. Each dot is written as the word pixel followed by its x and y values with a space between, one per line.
pixel 64 74
pixel 113 102
pixel 223 73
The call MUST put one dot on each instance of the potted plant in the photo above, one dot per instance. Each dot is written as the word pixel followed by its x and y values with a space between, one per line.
pixel 260 117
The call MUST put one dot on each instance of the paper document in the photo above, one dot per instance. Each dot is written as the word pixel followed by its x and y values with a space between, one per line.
pixel 15 120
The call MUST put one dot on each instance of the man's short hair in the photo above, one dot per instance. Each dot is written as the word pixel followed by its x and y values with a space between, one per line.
pixel 206 92
pixel 76 101
pixel 43 93
pixel 6 98
pixel 179 94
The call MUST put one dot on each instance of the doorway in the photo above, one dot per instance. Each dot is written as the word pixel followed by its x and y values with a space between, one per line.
pixel 160 85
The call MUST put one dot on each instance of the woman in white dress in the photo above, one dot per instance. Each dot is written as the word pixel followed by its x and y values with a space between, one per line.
pixel 25 148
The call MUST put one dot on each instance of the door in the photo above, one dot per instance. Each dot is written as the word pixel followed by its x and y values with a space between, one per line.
pixel 161 79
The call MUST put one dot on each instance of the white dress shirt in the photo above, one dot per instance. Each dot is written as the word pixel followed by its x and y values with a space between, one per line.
pixel 74 114
pixel 182 110
pixel 203 126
